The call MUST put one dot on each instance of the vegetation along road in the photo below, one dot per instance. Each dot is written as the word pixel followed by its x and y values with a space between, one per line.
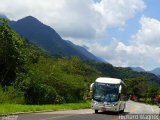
pixel 132 109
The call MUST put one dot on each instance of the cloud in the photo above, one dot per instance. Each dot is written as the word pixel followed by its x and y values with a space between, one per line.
pixel 71 18
pixel 115 13
pixel 149 34
pixel 147 39
pixel 77 19
pixel 143 49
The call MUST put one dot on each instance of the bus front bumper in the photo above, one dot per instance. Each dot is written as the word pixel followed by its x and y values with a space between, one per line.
pixel 104 107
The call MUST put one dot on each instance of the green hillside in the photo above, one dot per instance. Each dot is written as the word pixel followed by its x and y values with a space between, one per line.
pixel 29 75
pixel 27 71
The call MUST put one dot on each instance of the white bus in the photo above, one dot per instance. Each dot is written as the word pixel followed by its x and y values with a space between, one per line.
pixel 108 94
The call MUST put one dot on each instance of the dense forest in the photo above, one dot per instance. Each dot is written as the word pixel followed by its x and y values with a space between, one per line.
pixel 29 75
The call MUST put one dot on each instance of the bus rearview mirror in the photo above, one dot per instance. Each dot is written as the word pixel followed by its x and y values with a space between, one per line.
pixel 120 89
pixel 91 87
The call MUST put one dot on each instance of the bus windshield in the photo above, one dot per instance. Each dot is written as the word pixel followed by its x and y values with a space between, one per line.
pixel 104 92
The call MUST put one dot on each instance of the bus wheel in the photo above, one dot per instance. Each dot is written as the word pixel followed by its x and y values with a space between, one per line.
pixel 96 111
pixel 122 111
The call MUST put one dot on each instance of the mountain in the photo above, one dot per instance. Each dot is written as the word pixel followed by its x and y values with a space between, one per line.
pixel 47 38
pixel 138 69
pixel 156 71
pixel 3 16
pixel 83 51
pixel 124 73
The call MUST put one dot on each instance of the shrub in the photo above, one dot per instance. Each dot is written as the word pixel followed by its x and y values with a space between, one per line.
pixel 11 95
pixel 44 95
pixel 149 101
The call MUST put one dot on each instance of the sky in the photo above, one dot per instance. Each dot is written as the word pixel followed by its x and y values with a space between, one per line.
pixel 125 33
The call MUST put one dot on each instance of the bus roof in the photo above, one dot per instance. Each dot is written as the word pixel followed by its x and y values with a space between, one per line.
pixel 109 80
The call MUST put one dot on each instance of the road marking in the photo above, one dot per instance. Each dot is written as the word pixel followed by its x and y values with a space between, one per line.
pixel 152 109
pixel 86 113
pixel 57 117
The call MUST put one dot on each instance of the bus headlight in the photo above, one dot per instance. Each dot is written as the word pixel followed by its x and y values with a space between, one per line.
pixel 95 102
pixel 115 104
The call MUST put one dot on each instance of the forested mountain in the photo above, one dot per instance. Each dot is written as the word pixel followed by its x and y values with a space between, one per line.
pixel 123 73
pixel 27 71
pixel 47 38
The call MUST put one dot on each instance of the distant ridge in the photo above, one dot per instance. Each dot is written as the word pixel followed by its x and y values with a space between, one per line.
pixel 156 71
pixel 138 69
pixel 3 16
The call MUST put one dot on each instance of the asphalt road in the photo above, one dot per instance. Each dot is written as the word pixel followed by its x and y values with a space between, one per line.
pixel 131 111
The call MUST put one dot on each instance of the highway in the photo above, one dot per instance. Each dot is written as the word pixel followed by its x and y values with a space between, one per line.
pixel 132 109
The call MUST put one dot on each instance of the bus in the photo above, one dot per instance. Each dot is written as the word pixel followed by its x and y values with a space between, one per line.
pixel 108 94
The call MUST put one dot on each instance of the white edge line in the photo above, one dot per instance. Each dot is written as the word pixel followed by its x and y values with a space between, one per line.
pixel 152 109
pixel 56 117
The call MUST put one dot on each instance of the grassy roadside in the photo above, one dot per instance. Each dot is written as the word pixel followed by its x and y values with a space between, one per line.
pixel 15 108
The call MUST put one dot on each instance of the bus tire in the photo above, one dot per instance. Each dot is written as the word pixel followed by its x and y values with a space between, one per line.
pixel 96 111
pixel 122 111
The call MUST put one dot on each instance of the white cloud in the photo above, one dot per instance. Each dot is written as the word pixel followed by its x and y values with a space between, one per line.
pixel 117 12
pixel 143 49
pixel 149 34
pixel 85 19
pixel 148 38
pixel 70 18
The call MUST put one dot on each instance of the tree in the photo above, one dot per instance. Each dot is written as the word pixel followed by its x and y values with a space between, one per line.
pixel 8 60
pixel 137 86
pixel 13 54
